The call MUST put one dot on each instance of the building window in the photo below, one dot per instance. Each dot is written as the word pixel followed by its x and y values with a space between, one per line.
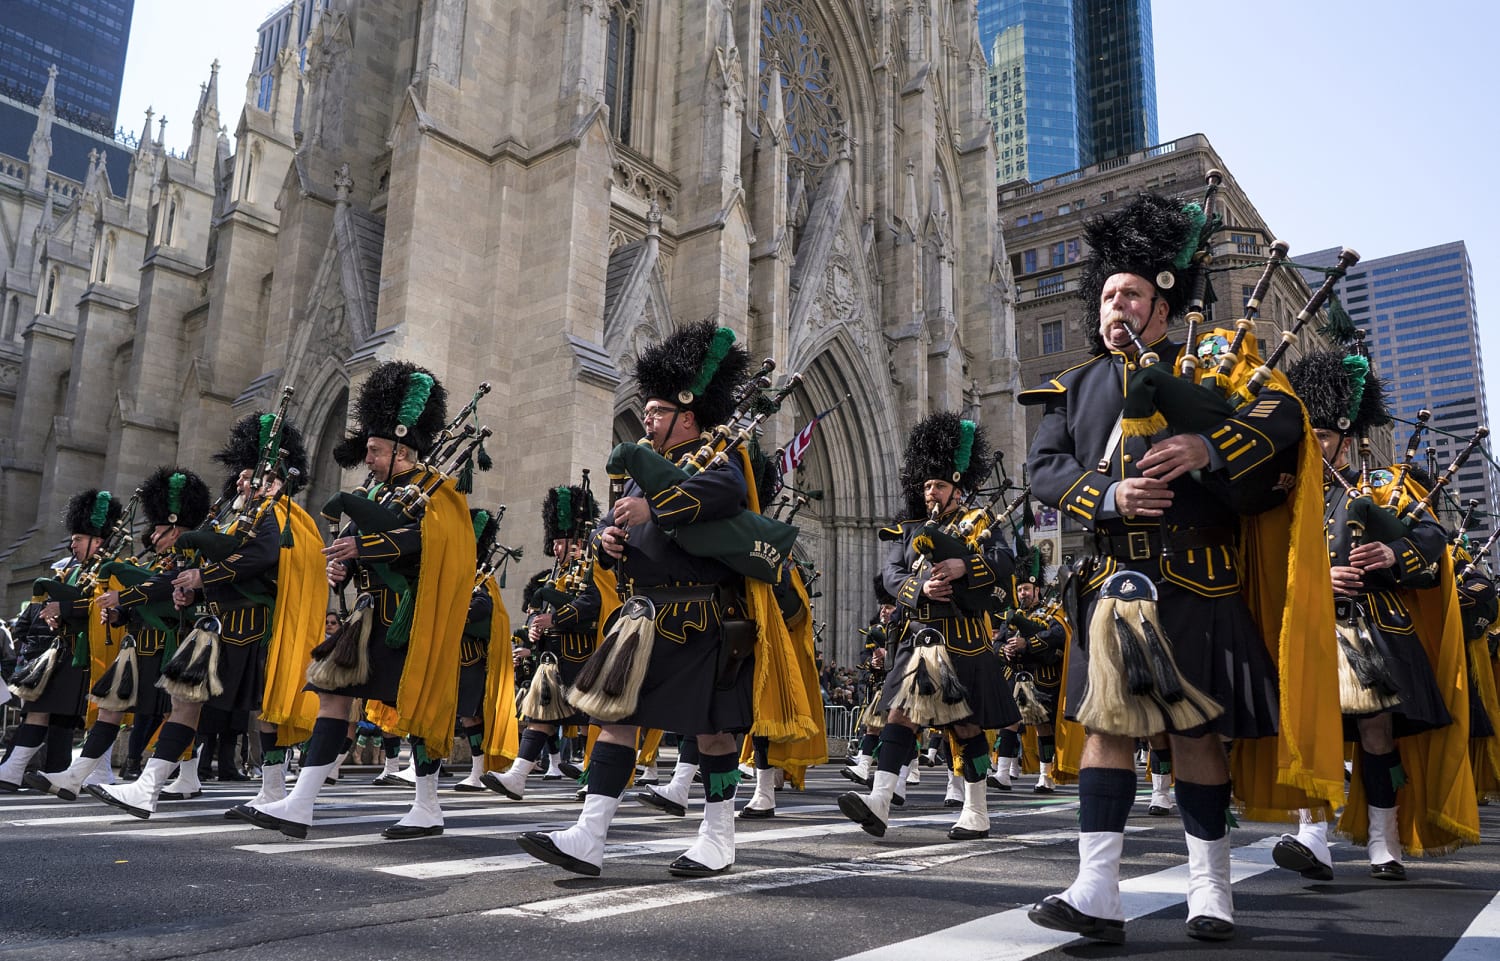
pixel 1245 243
pixel 1052 337
pixel 1059 254
pixel 809 91
pixel 1048 286
pixel 49 301
pixel 12 314
pixel 619 66
pixel 1074 251
pixel 1028 262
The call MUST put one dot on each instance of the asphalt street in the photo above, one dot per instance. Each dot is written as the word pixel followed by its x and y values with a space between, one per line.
pixel 85 881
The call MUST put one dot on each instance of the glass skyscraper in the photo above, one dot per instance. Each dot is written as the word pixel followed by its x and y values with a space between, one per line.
pixel 1072 82
pixel 86 39
pixel 1422 327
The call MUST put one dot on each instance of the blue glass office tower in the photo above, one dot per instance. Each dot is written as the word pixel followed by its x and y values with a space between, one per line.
pixel 1418 310
pixel 1072 82
pixel 86 39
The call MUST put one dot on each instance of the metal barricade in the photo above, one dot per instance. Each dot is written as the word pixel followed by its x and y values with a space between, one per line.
pixel 839 721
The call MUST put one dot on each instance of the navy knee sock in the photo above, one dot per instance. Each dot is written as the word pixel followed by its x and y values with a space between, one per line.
pixel 323 746
pixel 532 743
pixel 1381 775
pixel 270 754
pixel 172 741
pixel 721 775
pixel 1008 744
pixel 610 768
pixel 99 738
pixel 1205 809
pixel 898 744
pixel 1104 798
pixel 976 757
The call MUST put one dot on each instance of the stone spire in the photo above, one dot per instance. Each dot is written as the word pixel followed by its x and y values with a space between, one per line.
pixel 206 123
pixel 39 155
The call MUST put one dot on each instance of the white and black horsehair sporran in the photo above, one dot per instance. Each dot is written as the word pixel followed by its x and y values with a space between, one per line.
pixel 1365 682
pixel 1134 687
pixel 193 672
pixel 30 679
pixel 1033 711
pixel 544 699
pixel 115 689
pixel 871 719
pixel 343 658
pixel 930 692
pixel 609 685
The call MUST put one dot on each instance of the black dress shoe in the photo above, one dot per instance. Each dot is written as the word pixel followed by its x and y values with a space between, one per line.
pixel 650 798
pixel 36 782
pixel 1205 928
pixel 756 814
pixel 540 846
pixel 686 867
pixel 131 769
pixel 463 788
pixel 966 834
pixel 260 819
pixel 853 775
pixel 1057 914
pixel 97 790
pixel 404 832
pixel 951 802
pixel 898 800
pixel 996 783
pixel 178 795
pixel 856 810
pixel 1157 811
pixel 1043 789
pixel 570 770
pixel 1388 871
pixel 1293 855
pixel 492 781
pixel 234 776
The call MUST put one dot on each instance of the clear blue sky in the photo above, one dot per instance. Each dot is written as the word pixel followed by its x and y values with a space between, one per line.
pixel 1366 123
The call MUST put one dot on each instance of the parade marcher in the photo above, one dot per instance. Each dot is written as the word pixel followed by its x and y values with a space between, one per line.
pixel 174 501
pixel 286 711
pixel 1384 571
pixel 876 637
pixel 694 681
pixel 563 632
pixel 944 672
pixel 473 658
pixel 1165 531
pixel 1479 607
pixel 52 635
pixel 400 647
pixel 1033 657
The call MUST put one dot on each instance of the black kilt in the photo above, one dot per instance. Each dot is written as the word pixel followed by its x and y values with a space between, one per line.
pixel 681 691
pixel 66 692
pixel 386 665
pixel 1422 707
pixel 1481 725
pixel 242 673
pixel 1218 649
pixel 150 700
pixel 975 663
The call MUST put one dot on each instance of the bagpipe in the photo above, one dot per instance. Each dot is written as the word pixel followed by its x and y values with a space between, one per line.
pixel 1195 400
pixel 225 530
pixel 571 576
pixel 749 543
pixel 117 540
pixel 387 507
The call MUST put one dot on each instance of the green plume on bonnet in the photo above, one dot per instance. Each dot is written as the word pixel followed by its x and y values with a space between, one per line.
pixel 174 493
pixel 101 511
pixel 1199 219
pixel 965 449
pixel 418 389
pixel 1357 368
pixel 266 420
pixel 718 349
pixel 480 519
pixel 564 509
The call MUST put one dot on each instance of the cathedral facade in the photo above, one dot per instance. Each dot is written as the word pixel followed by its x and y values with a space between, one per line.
pixel 525 192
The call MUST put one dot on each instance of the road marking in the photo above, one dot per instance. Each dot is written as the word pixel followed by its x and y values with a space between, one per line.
pixel 1479 939
pixel 596 905
pixel 1010 935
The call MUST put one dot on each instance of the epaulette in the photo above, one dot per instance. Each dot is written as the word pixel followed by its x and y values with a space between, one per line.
pixel 1054 387
pixel 897 530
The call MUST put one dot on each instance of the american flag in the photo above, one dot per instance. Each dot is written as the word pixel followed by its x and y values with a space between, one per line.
pixel 792 455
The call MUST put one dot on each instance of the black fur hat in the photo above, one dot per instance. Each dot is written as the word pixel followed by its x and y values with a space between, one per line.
pixel 699 368
pixel 882 596
pixel 1153 237
pixel 567 512
pixel 92 512
pixel 945 447
pixel 1340 392
pixel 248 437
pixel 400 402
pixel 485 529
pixel 175 495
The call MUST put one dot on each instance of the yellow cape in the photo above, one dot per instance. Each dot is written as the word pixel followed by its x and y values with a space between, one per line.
pixel 427 699
pixel 1290 594
pixel 501 726
pixel 104 643
pixel 296 627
